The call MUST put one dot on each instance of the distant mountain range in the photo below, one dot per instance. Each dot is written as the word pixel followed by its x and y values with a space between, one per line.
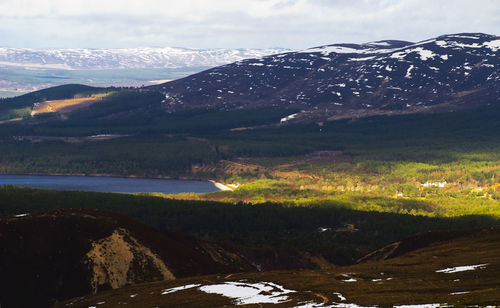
pixel 350 80
pixel 134 58
pixel 329 82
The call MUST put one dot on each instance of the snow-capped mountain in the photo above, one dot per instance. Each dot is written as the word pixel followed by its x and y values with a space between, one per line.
pixel 90 59
pixel 446 72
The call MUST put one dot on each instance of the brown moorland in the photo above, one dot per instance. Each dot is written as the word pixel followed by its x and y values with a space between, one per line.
pixel 458 270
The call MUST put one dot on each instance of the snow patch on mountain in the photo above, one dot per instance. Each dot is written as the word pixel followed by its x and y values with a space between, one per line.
pixel 133 58
pixel 329 80
pixel 493 45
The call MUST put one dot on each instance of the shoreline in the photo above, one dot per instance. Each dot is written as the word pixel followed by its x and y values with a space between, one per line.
pixel 221 187
pixel 114 175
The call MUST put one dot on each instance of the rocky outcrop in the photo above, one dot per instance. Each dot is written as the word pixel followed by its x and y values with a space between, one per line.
pixel 119 260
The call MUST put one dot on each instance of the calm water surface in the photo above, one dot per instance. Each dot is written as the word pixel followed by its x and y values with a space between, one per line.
pixel 108 184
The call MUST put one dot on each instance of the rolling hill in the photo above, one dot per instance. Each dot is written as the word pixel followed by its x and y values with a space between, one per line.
pixel 445 73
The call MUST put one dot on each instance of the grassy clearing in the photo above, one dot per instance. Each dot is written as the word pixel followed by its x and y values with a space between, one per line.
pixel 430 188
pixel 64 106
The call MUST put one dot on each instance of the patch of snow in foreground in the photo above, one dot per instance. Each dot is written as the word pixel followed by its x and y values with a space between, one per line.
pixel 422 306
pixel 22 215
pixel 340 296
pixel 246 293
pixel 348 278
pixel 172 290
pixel 458 293
pixel 464 268
pixel 334 305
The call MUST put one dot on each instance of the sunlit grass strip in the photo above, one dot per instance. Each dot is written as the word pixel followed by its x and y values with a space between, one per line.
pixel 69 104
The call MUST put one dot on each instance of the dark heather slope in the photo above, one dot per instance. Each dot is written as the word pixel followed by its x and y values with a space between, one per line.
pixel 443 73
pixel 456 270
pixel 51 256
pixel 45 256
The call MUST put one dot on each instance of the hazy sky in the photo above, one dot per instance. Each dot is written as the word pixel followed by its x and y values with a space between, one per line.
pixel 236 23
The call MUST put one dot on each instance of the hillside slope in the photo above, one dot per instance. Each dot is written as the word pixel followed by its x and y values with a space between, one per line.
pixel 350 80
pixel 50 256
pixel 457 272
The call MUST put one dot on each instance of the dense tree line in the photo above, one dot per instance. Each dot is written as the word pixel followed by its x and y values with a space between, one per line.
pixel 310 228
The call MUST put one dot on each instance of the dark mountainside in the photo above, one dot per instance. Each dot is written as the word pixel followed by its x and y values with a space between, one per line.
pixel 55 255
pixel 348 80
